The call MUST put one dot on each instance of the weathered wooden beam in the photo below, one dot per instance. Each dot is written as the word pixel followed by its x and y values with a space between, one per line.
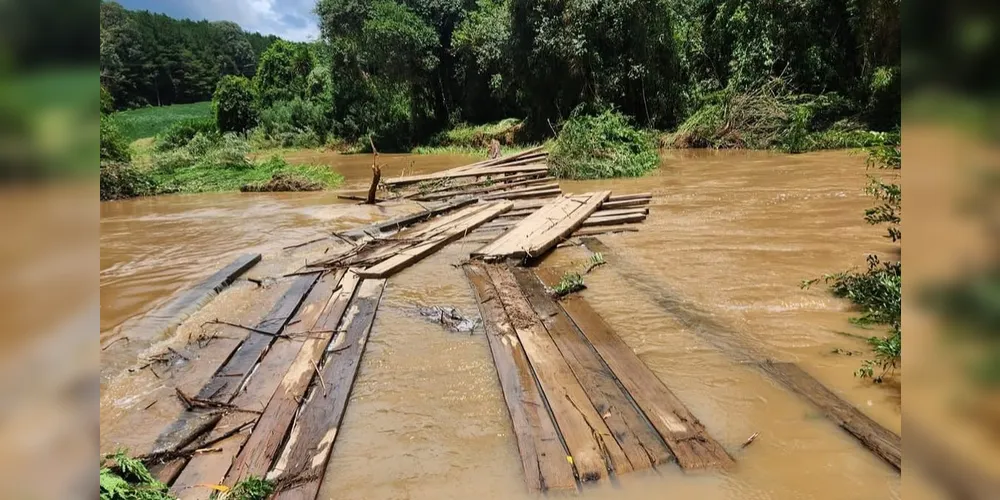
pixel 300 468
pixel 543 456
pixel 634 433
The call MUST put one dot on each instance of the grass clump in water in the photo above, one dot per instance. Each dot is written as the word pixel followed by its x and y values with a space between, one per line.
pixel 570 283
pixel 601 146
pixel 506 132
pixel 206 164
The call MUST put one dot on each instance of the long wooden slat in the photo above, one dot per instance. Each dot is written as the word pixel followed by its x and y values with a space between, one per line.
pixel 561 230
pixel 534 220
pixel 211 468
pixel 223 385
pixel 269 433
pixel 414 254
pixel 530 204
pixel 543 456
pixel 727 340
pixel 881 441
pixel 398 223
pixel 495 185
pixel 591 231
pixel 156 324
pixel 625 197
pixel 641 444
pixel 602 212
pixel 469 187
pixel 530 189
pixel 477 172
pixel 587 436
pixel 531 152
pixel 310 442
pixel 684 434
pixel 547 193
pixel 597 220
pixel 609 205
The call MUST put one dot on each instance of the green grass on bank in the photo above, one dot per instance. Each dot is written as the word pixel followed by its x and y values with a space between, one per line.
pixel 148 122
pixel 211 175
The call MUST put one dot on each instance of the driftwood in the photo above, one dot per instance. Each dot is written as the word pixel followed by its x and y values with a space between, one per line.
pixel 376 174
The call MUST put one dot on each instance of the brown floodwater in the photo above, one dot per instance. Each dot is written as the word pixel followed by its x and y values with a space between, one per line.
pixel 730 238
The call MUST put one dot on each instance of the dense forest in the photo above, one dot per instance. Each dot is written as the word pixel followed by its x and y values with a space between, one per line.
pixel 152 59
pixel 729 73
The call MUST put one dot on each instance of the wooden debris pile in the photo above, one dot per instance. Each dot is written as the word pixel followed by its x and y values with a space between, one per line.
pixel 532 228
pixel 518 176
pixel 582 404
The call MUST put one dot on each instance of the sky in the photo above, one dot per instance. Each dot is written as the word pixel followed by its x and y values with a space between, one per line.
pixel 289 19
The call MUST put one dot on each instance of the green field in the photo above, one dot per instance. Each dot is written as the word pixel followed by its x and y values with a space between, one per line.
pixel 147 122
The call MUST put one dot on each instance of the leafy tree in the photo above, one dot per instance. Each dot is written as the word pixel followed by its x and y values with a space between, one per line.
pixel 282 73
pixel 233 105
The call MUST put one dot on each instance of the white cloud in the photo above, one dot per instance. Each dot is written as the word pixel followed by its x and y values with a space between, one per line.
pixel 289 19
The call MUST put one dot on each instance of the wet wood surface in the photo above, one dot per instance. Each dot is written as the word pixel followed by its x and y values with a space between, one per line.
pixel 641 444
pixel 302 464
pixel 543 456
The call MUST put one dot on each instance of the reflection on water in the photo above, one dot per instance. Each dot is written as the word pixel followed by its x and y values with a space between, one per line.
pixel 729 239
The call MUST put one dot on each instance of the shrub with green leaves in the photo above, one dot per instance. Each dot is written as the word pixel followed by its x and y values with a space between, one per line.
pixel 601 146
pixel 114 146
pixel 180 133
pixel 124 180
pixel 232 104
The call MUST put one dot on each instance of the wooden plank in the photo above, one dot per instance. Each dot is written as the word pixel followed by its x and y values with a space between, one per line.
pixel 303 463
pixel 603 212
pixel 155 324
pixel 211 468
pixel 543 456
pixel 625 197
pixel 222 387
pixel 587 436
pixel 590 231
pixel 494 185
pixel 477 172
pixel 684 434
pixel 561 230
pixel 727 340
pixel 548 186
pixel 527 193
pixel 532 152
pixel 598 220
pixel 876 438
pixel 624 203
pixel 530 204
pixel 641 444
pixel 269 433
pixel 398 223
pixel 537 218
pixel 414 254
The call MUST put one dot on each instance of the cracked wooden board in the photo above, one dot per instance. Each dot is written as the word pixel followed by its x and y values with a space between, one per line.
pixel 542 454
pixel 302 465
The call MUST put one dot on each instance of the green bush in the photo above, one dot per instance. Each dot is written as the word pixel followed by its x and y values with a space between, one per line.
pixel 233 104
pixel 601 146
pixel 107 101
pixel 282 73
pixel 114 146
pixel 180 133
pixel 124 180
pixel 298 123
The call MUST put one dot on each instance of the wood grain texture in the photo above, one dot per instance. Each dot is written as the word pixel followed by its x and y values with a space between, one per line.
pixel 684 434
pixel 211 468
pixel 543 456
pixel 262 447
pixel 587 436
pixel 303 462
pixel 634 433
pixel 876 438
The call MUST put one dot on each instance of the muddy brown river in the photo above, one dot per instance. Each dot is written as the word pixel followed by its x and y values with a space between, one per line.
pixel 729 239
